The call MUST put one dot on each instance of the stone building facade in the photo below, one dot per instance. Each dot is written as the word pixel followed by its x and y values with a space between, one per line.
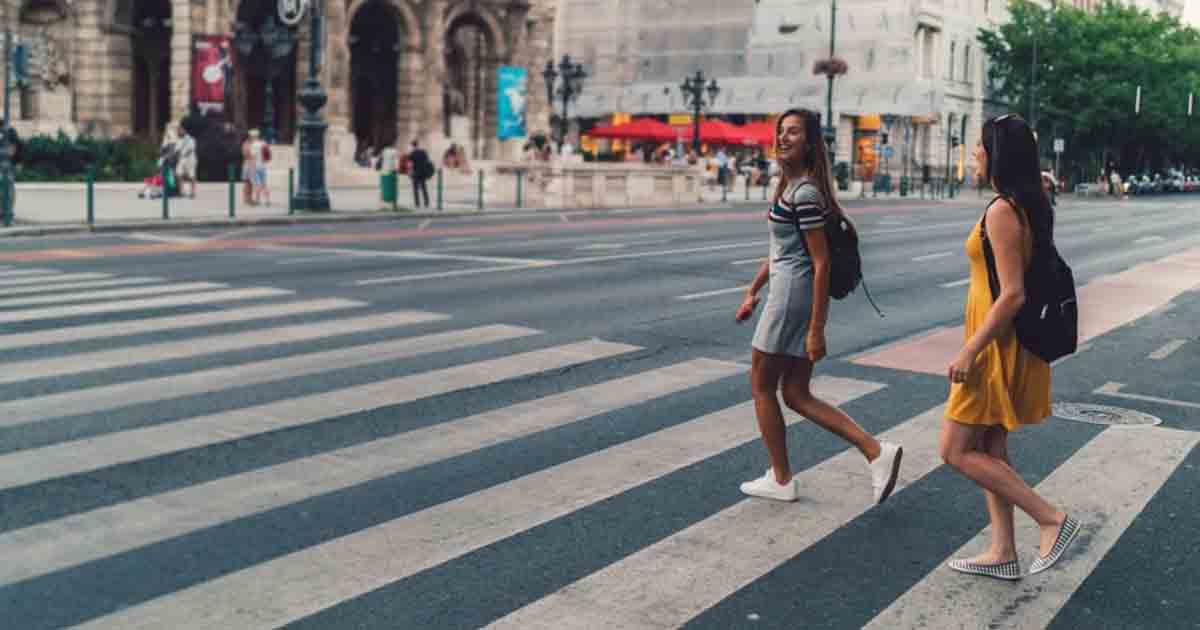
pixel 394 69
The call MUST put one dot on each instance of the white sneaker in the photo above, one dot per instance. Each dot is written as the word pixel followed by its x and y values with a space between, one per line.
pixel 767 488
pixel 885 470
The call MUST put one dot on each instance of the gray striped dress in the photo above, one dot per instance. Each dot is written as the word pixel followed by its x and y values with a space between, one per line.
pixel 783 323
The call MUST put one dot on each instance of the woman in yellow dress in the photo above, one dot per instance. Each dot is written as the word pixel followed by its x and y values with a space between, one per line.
pixel 997 386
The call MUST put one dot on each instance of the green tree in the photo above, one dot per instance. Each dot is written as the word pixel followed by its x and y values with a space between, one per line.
pixel 1088 69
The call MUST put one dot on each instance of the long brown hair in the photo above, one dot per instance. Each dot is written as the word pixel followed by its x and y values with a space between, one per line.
pixel 814 160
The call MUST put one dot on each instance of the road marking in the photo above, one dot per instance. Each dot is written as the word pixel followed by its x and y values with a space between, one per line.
pixel 956 283
pixel 425 224
pixel 68 334
pixel 274 593
pixel 40 279
pixel 70 286
pixel 305 260
pixel 1167 350
pixel 1148 239
pixel 19 273
pixel 707 294
pixel 1114 389
pixel 416 255
pixel 193 348
pixel 1136 463
pixel 88 454
pixel 104 532
pixel 165 238
pixel 567 240
pixel 595 246
pixel 933 256
pixel 115 396
pixel 461 239
pixel 1102 228
pixel 749 261
pixel 637 593
pixel 562 216
pixel 119 306
pixel 89 296
pixel 553 263
pixel 1105 303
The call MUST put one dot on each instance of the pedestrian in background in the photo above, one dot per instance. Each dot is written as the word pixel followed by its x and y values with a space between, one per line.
pixel 260 157
pixel 247 171
pixel 185 147
pixel 998 386
pixel 790 336
pixel 420 170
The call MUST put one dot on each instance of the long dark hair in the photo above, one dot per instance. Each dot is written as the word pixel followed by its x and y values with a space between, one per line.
pixel 814 159
pixel 1012 169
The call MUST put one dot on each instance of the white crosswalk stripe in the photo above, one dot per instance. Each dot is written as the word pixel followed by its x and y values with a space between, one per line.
pixel 585 385
pixel 44 278
pixel 108 294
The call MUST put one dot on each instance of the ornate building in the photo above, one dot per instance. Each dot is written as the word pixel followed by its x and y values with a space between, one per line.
pixel 394 69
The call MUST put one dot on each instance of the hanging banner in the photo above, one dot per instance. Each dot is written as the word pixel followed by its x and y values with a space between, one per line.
pixel 212 72
pixel 512 85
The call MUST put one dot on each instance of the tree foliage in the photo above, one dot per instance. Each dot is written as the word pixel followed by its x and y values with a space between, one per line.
pixel 1088 68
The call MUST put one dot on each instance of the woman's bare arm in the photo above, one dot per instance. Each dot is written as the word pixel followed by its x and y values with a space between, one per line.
pixel 1004 232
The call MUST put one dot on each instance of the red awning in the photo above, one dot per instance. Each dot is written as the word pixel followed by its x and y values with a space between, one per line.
pixel 721 132
pixel 636 129
pixel 762 131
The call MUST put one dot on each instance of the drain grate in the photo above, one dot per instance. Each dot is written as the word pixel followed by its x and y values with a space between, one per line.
pixel 1104 414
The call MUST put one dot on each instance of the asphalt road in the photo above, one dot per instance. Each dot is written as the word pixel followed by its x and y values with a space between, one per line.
pixel 541 421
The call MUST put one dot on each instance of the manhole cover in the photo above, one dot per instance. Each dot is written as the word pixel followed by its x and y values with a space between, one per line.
pixel 1104 414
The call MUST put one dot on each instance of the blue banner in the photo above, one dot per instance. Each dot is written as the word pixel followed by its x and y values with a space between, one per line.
pixel 512 84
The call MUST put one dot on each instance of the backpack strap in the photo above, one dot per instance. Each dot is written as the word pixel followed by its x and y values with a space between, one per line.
pixel 988 254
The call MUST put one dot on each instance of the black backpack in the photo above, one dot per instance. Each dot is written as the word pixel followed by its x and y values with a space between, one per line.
pixel 1048 323
pixel 845 262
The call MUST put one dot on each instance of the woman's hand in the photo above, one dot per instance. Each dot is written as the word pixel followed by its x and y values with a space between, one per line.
pixel 961 367
pixel 746 309
pixel 814 344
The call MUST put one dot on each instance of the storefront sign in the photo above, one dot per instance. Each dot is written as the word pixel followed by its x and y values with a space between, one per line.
pixel 512 84
pixel 212 72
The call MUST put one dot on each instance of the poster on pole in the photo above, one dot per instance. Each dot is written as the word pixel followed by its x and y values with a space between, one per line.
pixel 512 86
pixel 212 73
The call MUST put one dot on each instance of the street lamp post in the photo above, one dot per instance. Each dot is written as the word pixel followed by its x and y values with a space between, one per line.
pixel 830 130
pixel 277 43
pixel 572 75
pixel 693 92
pixel 312 194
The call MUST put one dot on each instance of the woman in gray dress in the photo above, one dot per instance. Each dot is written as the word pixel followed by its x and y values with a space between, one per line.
pixel 790 336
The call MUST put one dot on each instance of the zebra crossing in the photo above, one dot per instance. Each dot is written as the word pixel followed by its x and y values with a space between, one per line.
pixel 353 527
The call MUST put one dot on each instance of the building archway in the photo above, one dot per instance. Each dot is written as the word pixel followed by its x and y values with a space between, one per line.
pixel 376 44
pixel 150 29
pixel 257 65
pixel 473 49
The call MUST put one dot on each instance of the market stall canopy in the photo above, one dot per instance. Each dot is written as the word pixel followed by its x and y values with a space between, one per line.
pixel 636 129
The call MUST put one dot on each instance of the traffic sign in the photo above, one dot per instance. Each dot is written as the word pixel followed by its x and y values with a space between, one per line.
pixel 887 151
pixel 291 12
pixel 1060 145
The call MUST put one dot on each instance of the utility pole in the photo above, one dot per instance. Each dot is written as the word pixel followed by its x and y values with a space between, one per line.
pixel 830 128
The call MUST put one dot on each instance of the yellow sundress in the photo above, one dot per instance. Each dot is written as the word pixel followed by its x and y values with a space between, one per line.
pixel 1010 385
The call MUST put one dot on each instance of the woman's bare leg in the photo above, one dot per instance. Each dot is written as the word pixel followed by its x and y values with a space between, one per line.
pixel 994 441
pixel 958 442
pixel 798 396
pixel 765 372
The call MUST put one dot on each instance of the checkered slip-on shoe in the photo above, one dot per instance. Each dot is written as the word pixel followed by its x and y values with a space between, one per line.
pixel 1066 533
pixel 1010 570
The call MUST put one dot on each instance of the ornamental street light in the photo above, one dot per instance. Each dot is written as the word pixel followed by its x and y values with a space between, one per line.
pixel 568 89
pixel 693 92
pixel 311 195
pixel 276 43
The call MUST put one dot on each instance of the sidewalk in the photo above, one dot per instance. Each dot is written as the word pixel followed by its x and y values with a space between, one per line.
pixel 44 209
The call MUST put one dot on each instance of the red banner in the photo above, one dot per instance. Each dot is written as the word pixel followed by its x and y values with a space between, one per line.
pixel 212 72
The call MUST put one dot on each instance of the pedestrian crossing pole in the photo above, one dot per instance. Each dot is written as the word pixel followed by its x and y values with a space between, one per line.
pixel 166 192
pixel 6 174
pixel 232 191
pixel 439 189
pixel 91 195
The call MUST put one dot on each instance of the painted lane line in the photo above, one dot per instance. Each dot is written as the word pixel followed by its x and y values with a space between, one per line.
pixel 166 238
pixel 425 224
pixel 108 397
pixel 20 273
pixel 188 299
pixel 79 456
pixel 556 263
pixel 933 256
pixel 108 531
pixel 749 261
pixel 274 593
pixel 707 294
pixel 415 255
pixel 68 334
pixel 956 283
pixel 461 239
pixel 1145 240
pixel 636 593
pixel 1167 350
pixel 71 286
pixel 562 217
pixel 1114 389
pixel 596 246
pixel 53 279
pixel 90 296
pixel 1105 303
pixel 542 242
pixel 306 260
pixel 1136 463
pixel 193 348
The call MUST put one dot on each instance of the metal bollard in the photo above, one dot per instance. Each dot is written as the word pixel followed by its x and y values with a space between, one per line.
pixel 480 198
pixel 6 210
pixel 232 191
pixel 724 190
pixel 291 190
pixel 747 188
pixel 166 193
pixel 520 181
pixel 395 191
pixel 439 189
pixel 91 195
